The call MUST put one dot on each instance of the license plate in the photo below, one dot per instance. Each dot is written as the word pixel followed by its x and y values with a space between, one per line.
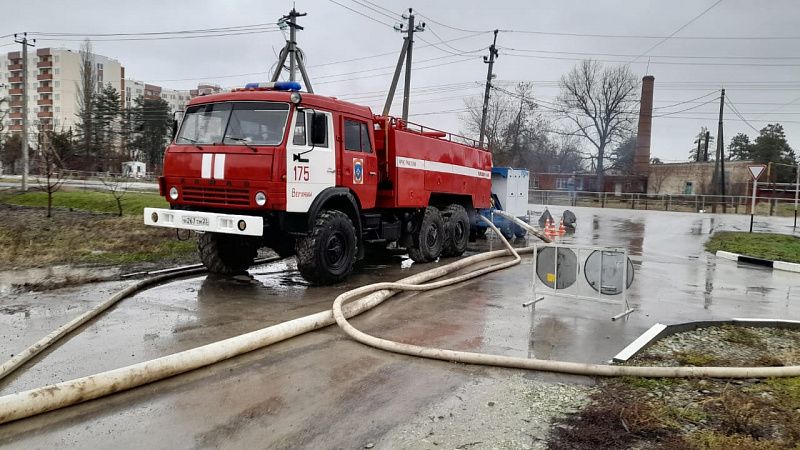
pixel 195 221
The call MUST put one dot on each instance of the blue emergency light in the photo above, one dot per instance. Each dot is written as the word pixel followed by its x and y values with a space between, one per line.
pixel 277 85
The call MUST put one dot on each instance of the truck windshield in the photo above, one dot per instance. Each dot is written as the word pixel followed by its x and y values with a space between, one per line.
pixel 239 123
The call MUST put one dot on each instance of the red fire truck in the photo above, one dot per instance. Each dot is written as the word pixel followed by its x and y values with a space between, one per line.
pixel 318 177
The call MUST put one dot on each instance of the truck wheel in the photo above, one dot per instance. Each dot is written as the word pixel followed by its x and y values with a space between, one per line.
pixel 326 255
pixel 429 235
pixel 519 231
pixel 226 254
pixel 456 225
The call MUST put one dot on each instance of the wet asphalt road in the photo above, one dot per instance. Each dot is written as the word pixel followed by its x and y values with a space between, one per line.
pixel 322 390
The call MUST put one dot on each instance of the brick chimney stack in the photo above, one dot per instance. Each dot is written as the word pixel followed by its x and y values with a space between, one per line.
pixel 641 158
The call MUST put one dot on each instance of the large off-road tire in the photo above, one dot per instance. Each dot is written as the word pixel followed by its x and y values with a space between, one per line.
pixel 456 225
pixel 227 254
pixel 428 236
pixel 326 255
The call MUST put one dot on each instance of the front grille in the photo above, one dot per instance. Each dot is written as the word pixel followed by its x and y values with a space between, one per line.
pixel 212 195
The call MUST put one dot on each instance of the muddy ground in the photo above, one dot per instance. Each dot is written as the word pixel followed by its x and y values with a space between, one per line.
pixel 323 390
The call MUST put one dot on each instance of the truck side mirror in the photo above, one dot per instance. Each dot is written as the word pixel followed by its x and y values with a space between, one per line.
pixel 319 129
pixel 177 117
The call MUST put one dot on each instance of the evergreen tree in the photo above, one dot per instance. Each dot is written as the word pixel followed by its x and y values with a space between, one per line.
pixel 740 148
pixel 152 124
pixel 771 146
pixel 105 124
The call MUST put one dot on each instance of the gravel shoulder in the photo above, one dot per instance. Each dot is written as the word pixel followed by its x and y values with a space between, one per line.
pixel 504 412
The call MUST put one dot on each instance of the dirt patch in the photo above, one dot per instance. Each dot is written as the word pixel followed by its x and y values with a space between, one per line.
pixel 709 414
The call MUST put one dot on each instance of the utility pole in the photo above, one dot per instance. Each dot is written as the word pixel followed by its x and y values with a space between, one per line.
pixel 705 150
pixel 25 163
pixel 405 54
pixel 291 50
pixel 721 153
pixel 699 156
pixel 718 179
pixel 489 75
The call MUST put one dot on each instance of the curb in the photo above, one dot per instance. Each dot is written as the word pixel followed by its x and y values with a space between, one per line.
pixel 779 265
pixel 660 330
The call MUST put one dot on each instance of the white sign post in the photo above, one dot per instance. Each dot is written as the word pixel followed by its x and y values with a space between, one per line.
pixel 755 172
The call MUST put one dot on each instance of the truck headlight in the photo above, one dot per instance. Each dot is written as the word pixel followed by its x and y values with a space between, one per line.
pixel 173 193
pixel 261 198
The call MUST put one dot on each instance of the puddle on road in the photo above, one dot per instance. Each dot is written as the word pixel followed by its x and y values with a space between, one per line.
pixel 47 277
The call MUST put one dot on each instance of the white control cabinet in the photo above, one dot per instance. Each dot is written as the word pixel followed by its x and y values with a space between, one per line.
pixel 511 187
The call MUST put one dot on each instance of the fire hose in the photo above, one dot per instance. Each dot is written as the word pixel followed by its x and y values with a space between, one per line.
pixel 39 400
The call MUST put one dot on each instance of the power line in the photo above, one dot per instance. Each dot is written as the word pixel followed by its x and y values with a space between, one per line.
pixel 151 33
pixel 362 14
pixel 623 55
pixel 735 110
pixel 612 36
pixel 163 38
pixel 687 101
pixel 672 63
pixel 686 109
pixel 391 16
pixel 678 30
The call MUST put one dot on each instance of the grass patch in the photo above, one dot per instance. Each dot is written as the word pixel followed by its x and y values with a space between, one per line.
pixel 694 358
pixel 92 201
pixel 650 384
pixel 712 440
pixel 29 239
pixel 742 335
pixel 777 247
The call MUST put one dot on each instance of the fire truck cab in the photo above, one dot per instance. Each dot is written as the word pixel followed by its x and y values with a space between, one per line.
pixel 317 177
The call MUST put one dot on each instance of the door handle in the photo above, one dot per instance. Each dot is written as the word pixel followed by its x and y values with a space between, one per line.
pixel 373 173
pixel 331 170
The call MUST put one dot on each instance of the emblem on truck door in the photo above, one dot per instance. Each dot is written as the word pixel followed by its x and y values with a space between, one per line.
pixel 358 171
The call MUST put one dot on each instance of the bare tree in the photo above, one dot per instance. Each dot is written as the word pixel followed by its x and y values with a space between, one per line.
pixel 117 186
pixel 499 113
pixel 659 172
pixel 86 88
pixel 601 102
pixel 51 176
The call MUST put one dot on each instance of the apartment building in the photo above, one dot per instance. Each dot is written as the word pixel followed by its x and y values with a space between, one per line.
pixel 175 98
pixel 53 86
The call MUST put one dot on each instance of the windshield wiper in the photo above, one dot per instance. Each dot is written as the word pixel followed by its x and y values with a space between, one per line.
pixel 193 141
pixel 244 141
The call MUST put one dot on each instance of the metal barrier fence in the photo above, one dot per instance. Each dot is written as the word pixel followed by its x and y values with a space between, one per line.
pixel 738 204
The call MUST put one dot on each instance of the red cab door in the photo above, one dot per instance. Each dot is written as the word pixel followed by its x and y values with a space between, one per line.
pixel 357 160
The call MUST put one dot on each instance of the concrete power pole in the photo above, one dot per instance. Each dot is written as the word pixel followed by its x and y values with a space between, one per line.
pixel 291 49
pixel 721 152
pixel 490 60
pixel 25 131
pixel 405 54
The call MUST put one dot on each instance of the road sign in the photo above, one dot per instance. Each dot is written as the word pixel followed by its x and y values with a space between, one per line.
pixel 756 170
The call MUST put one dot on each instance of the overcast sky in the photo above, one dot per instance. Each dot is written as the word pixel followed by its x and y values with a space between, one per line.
pixel 764 90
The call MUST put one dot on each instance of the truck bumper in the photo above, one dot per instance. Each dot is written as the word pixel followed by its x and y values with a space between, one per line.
pixel 204 221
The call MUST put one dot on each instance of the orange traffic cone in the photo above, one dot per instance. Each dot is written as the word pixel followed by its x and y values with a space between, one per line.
pixel 561 229
pixel 549 227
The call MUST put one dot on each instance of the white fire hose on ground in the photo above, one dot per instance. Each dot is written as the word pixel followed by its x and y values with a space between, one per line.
pixel 36 401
